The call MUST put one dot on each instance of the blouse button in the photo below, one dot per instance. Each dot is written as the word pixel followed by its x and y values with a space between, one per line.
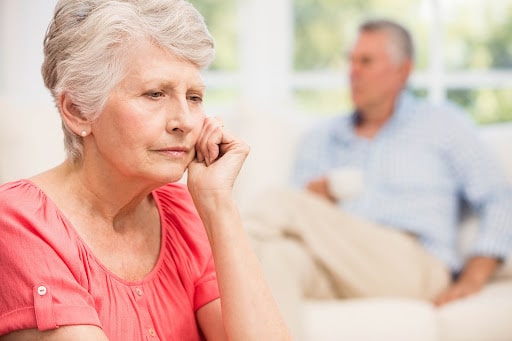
pixel 41 290
pixel 138 291
pixel 152 332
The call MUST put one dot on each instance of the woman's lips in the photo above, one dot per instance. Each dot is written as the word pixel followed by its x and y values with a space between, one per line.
pixel 175 152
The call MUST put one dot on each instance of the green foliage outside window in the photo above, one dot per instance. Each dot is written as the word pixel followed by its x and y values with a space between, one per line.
pixel 485 105
pixel 481 40
pixel 220 17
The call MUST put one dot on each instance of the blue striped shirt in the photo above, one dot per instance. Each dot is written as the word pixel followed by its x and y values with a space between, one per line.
pixel 418 170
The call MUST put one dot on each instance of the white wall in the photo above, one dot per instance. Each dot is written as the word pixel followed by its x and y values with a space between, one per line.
pixel 30 134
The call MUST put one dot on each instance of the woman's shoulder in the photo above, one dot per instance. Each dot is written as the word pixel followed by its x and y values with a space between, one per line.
pixel 25 207
pixel 29 216
pixel 21 195
pixel 16 185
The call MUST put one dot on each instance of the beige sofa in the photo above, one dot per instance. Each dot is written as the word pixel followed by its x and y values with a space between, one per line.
pixel 486 316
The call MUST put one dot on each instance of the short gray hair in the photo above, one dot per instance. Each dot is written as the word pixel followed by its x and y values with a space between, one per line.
pixel 401 44
pixel 86 43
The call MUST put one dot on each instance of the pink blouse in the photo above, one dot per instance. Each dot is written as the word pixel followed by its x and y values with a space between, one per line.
pixel 50 278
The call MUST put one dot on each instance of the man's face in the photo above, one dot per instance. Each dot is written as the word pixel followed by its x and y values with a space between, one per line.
pixel 375 78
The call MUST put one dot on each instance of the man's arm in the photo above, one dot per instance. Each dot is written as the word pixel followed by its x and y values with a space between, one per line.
pixel 475 274
pixel 485 187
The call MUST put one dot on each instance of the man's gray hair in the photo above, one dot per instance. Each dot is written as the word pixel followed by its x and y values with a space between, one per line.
pixel 87 41
pixel 401 44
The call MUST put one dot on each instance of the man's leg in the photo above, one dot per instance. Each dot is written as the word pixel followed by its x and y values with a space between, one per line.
pixel 364 259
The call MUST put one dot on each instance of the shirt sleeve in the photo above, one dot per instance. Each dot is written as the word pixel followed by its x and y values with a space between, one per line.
pixel 484 185
pixel 40 282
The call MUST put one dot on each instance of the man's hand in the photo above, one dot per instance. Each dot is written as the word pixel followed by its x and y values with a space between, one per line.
pixel 321 187
pixel 474 276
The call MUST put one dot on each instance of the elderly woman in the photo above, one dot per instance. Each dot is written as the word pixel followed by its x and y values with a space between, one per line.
pixel 109 245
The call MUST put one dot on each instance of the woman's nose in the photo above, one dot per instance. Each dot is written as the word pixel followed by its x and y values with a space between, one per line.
pixel 179 118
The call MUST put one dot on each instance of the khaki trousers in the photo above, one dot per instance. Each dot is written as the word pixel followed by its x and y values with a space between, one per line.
pixel 308 247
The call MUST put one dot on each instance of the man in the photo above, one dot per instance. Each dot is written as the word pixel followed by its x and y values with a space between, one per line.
pixel 385 187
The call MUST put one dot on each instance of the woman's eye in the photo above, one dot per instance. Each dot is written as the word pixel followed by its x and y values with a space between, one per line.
pixel 155 94
pixel 195 98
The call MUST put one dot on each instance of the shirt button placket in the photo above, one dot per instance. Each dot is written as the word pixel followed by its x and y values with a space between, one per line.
pixel 144 312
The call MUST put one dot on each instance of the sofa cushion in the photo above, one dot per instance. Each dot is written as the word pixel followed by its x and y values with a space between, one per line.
pixel 484 316
pixel 370 319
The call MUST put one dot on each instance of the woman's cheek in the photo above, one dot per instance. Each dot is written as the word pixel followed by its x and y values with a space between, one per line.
pixel 198 126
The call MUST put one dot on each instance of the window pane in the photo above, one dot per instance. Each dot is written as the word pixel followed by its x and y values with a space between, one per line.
pixel 218 99
pixel 484 105
pixel 323 102
pixel 478 37
pixel 478 34
pixel 220 17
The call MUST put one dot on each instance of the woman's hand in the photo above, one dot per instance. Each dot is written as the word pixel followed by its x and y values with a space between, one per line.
pixel 219 158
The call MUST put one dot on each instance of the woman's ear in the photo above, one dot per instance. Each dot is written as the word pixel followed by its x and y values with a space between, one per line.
pixel 72 117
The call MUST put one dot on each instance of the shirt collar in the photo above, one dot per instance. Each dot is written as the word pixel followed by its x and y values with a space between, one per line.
pixel 345 129
pixel 404 105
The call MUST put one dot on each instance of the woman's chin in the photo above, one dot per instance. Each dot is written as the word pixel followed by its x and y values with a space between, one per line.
pixel 174 177
pixel 167 175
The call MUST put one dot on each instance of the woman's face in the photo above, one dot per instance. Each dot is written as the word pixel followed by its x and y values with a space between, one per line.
pixel 152 119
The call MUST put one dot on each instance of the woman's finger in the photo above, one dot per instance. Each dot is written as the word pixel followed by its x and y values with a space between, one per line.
pixel 207 146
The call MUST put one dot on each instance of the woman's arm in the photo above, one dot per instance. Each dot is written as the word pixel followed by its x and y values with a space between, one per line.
pixel 210 321
pixel 65 333
pixel 247 309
